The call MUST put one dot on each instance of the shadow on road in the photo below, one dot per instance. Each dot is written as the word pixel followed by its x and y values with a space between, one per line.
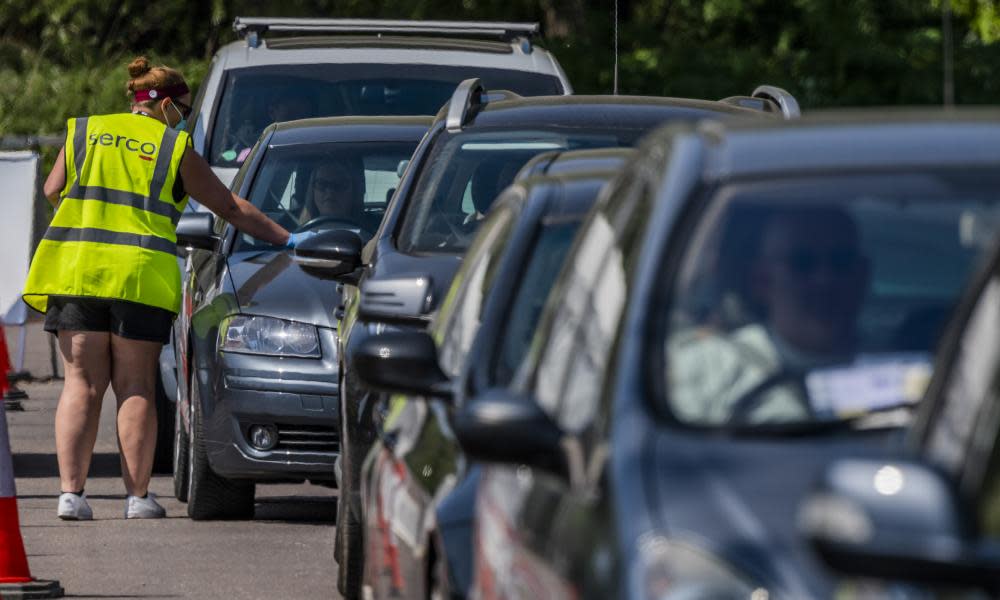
pixel 308 510
pixel 121 596
pixel 27 464
pixel 304 510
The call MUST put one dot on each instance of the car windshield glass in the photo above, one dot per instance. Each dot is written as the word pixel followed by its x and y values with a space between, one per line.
pixel 323 186
pixel 536 281
pixel 253 98
pixel 821 299
pixel 465 172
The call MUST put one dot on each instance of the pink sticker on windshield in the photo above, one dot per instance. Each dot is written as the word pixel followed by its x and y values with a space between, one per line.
pixel 243 155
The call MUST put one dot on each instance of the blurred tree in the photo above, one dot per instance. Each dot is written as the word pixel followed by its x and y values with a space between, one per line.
pixel 65 57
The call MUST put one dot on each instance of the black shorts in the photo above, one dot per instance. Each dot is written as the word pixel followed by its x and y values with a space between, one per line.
pixel 125 319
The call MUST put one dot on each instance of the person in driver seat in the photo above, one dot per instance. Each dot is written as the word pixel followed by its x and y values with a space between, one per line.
pixel 807 282
pixel 337 189
pixel 489 180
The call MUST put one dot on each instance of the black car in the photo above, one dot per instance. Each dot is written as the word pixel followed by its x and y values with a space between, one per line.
pixel 747 303
pixel 417 490
pixel 256 339
pixel 473 150
pixel 929 515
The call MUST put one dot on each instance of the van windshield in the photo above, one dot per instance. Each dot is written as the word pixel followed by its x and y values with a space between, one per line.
pixel 253 98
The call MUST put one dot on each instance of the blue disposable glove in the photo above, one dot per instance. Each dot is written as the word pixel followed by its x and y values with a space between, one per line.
pixel 294 239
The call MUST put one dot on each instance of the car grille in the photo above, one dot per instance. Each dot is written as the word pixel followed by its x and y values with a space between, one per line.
pixel 307 438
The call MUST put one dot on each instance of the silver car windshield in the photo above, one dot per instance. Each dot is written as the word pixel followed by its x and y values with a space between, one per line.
pixel 253 98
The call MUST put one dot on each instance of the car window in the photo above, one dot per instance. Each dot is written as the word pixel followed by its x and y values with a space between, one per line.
pixel 313 186
pixel 820 298
pixel 464 172
pixel 545 260
pixel 462 308
pixel 970 380
pixel 962 436
pixel 253 98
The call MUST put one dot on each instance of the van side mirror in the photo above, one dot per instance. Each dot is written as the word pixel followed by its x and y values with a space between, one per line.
pixel 196 230
pixel 404 362
pixel 897 520
pixel 501 426
pixel 332 254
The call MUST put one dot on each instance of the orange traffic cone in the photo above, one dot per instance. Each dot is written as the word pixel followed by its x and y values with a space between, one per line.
pixel 15 579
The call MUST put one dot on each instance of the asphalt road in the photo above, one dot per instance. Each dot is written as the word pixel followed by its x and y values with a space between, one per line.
pixel 286 551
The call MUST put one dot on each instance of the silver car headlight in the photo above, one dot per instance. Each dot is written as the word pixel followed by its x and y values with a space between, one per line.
pixel 668 569
pixel 249 334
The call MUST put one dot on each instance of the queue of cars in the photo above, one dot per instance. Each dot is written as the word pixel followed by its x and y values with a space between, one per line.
pixel 556 346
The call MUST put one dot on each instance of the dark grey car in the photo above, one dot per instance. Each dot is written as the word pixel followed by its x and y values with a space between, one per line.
pixel 256 339
pixel 750 302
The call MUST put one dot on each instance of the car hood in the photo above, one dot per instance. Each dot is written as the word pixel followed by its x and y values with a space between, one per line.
pixel 270 283
pixel 740 498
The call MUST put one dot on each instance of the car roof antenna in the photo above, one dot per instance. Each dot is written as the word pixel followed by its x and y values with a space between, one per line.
pixel 615 84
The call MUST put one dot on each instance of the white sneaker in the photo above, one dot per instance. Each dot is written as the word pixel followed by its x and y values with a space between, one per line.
pixel 144 508
pixel 74 508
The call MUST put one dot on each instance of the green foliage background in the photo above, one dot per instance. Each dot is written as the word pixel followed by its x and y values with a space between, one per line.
pixel 61 58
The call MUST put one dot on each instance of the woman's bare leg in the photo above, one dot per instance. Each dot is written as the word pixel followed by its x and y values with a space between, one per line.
pixel 133 379
pixel 87 360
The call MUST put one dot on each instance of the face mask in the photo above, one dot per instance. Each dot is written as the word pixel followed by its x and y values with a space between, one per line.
pixel 179 125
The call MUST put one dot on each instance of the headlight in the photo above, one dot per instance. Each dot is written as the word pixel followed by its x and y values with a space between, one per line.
pixel 672 570
pixel 266 335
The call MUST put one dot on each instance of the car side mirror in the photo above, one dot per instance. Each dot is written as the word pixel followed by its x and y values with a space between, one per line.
pixel 332 254
pixel 397 298
pixel 501 426
pixel 404 362
pixel 897 520
pixel 196 230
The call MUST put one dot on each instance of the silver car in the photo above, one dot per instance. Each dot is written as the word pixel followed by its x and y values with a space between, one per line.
pixel 286 69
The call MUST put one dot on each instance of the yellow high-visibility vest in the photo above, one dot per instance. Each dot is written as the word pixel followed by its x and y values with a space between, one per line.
pixel 113 234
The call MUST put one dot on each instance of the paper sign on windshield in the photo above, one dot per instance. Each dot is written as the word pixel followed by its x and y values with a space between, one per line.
pixel 870 384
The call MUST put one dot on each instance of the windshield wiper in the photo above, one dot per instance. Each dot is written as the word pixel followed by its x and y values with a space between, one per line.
pixel 886 417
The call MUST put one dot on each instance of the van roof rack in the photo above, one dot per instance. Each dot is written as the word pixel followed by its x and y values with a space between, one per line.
pixel 471 96
pixel 252 28
pixel 768 98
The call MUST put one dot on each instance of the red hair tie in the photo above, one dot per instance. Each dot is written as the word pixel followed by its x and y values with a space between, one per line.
pixel 170 91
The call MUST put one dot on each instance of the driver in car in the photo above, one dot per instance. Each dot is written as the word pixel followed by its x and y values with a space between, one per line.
pixel 808 280
pixel 335 192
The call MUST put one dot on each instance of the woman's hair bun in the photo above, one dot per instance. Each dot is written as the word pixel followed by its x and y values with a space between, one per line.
pixel 138 67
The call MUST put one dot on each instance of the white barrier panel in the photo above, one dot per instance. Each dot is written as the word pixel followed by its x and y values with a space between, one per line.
pixel 18 176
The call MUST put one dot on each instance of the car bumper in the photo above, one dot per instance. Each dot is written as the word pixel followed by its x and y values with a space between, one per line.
pixel 298 397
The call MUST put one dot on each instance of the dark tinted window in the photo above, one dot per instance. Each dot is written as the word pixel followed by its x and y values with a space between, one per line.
pixel 253 98
pixel 821 298
pixel 970 384
pixel 544 263
pixel 464 172
pixel 326 185
pixel 459 319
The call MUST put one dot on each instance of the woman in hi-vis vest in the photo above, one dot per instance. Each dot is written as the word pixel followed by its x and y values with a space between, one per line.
pixel 105 274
